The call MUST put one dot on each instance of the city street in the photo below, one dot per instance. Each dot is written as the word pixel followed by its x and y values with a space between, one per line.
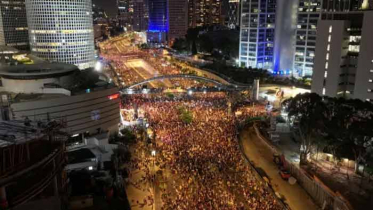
pixel 262 157
pixel 196 163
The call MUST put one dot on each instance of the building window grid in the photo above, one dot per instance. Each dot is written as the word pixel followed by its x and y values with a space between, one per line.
pixel 75 19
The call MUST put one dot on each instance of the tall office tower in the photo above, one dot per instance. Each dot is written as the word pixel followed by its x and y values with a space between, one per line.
pixel 62 31
pixel 178 19
pixel 125 13
pixel 13 27
pixel 344 56
pixel 204 12
pixel 257 33
pixel 140 15
pixel 158 21
pixel 234 14
pixel 309 12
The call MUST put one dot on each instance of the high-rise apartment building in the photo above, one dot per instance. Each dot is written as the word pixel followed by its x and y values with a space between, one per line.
pixel 233 14
pixel 125 13
pixel 13 27
pixel 62 31
pixel 140 15
pixel 309 12
pixel 344 56
pixel 204 12
pixel 158 21
pixel 178 19
pixel 257 33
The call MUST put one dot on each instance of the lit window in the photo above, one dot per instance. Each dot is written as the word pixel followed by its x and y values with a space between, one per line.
pixel 329 38
pixel 368 99
pixel 326 65
pixel 327 56
pixel 328 48
pixel 354 48
pixel 330 29
pixel 371 71
pixel 355 38
pixel 369 90
pixel 325 74
pixel 323 91
pixel 370 80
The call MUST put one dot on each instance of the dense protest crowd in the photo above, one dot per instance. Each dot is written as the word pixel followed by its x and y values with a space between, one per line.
pixel 150 57
pixel 200 162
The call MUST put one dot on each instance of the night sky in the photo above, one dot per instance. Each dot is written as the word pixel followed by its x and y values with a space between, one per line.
pixel 108 5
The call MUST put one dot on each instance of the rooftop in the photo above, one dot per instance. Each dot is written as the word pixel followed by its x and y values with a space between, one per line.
pixel 8 50
pixel 37 70
pixel 80 155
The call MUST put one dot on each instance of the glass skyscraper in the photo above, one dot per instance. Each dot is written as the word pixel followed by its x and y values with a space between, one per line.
pixel 257 33
pixel 62 31
pixel 158 21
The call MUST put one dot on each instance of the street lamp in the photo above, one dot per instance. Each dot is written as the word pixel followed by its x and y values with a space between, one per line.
pixel 98 66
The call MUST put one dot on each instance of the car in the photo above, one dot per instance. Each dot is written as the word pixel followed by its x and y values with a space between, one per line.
pixel 285 175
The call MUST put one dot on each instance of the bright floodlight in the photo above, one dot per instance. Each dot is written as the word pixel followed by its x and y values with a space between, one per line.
pixel 153 153
pixel 145 91
pixel 98 66
pixel 90 168
pixel 190 92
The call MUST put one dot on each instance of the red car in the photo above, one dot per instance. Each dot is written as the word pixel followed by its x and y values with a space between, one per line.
pixel 285 175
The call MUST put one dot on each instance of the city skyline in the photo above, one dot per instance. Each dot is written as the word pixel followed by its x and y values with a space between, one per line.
pixel 186 104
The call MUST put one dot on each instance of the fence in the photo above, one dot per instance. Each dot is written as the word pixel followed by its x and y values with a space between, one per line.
pixel 259 177
pixel 320 193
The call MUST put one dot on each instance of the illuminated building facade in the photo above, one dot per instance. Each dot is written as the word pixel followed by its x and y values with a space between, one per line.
pixel 125 13
pixel 257 33
pixel 233 14
pixel 13 28
pixel 344 56
pixel 309 12
pixel 204 12
pixel 158 21
pixel 178 19
pixel 140 15
pixel 62 31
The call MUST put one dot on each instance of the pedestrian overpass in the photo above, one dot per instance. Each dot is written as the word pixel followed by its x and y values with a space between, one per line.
pixel 221 84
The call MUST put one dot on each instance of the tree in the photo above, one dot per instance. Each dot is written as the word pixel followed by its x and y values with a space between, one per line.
pixel 192 36
pixel 205 44
pixel 180 45
pixel 310 112
pixel 351 124
pixel 185 115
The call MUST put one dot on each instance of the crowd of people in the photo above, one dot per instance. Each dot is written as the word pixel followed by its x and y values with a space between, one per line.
pixel 151 57
pixel 199 162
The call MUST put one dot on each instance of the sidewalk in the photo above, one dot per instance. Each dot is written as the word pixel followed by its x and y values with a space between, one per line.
pixel 262 157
